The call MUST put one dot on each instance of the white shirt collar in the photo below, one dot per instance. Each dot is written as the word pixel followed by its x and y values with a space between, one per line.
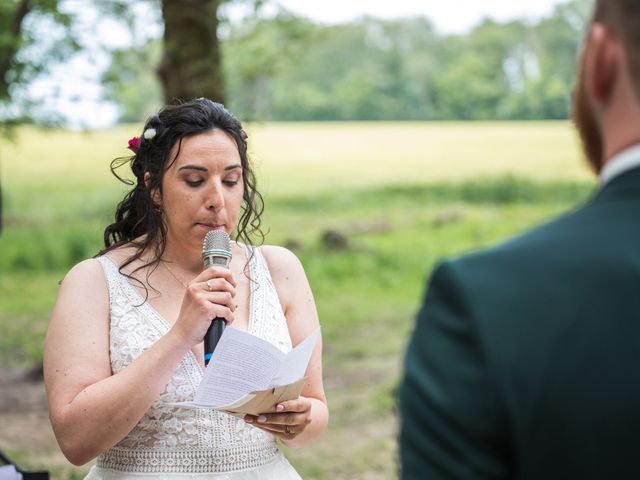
pixel 620 163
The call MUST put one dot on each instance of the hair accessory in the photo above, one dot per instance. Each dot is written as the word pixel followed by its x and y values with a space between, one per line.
pixel 149 133
pixel 244 135
pixel 134 144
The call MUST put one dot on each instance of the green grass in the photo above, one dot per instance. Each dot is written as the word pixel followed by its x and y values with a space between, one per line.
pixel 402 195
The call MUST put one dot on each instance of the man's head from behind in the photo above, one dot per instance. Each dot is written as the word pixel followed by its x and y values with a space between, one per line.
pixel 607 96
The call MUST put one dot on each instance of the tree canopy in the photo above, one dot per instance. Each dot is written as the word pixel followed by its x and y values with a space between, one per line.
pixel 274 65
pixel 33 35
pixel 285 68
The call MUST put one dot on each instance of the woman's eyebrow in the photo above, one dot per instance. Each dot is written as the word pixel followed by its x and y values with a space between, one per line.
pixel 193 167
pixel 205 170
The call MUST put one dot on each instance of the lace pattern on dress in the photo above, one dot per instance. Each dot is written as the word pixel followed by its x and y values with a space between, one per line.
pixel 174 440
pixel 265 305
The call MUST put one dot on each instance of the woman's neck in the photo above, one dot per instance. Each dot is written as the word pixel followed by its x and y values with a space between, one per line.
pixel 185 261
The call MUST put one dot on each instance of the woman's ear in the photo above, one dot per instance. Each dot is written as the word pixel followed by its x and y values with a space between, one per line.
pixel 156 198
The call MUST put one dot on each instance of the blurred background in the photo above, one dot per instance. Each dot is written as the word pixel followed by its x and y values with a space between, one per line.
pixel 386 136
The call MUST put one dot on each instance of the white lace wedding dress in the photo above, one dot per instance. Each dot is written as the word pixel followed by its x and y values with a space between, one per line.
pixel 173 443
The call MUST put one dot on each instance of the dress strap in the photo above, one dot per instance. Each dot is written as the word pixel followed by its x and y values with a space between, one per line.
pixel 112 274
pixel 268 319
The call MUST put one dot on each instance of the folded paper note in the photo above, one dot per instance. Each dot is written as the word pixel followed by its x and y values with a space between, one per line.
pixel 248 375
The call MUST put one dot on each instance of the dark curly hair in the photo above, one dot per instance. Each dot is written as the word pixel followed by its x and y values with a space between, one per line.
pixel 138 220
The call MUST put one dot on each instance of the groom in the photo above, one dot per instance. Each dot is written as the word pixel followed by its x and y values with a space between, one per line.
pixel 525 361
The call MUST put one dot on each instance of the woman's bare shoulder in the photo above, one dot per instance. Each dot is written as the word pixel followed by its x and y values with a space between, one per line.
pixel 83 271
pixel 281 260
pixel 85 284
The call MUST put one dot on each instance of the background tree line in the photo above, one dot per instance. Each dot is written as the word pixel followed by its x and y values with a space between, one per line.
pixel 274 65
pixel 285 67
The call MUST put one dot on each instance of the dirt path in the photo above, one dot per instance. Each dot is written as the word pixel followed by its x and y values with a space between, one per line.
pixel 25 431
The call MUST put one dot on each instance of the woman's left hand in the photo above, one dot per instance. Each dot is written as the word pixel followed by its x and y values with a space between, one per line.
pixel 290 420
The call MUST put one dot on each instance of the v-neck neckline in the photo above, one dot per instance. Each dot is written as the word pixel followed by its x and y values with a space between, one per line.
pixel 142 303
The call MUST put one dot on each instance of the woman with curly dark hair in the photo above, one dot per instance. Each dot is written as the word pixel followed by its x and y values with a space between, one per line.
pixel 125 339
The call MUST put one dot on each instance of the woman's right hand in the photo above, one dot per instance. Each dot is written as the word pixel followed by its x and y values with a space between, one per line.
pixel 210 295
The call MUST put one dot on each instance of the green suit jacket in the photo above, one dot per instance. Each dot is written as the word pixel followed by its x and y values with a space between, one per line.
pixel 525 360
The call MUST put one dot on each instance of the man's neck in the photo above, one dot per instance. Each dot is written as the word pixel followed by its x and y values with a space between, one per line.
pixel 620 124
pixel 614 151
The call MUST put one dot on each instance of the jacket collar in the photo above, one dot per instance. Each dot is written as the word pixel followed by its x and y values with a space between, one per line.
pixel 626 160
pixel 624 185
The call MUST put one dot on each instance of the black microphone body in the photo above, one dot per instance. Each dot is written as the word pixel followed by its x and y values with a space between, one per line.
pixel 216 251
pixel 212 337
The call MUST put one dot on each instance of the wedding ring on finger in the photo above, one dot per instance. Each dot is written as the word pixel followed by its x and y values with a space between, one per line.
pixel 209 287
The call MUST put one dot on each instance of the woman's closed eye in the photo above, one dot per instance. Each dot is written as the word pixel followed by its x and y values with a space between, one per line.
pixel 194 183
pixel 231 181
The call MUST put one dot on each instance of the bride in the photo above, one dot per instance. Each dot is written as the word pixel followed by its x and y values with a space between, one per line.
pixel 125 337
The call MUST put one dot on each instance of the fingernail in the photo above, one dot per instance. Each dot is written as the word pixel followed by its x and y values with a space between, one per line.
pixel 280 408
pixel 262 419
pixel 248 419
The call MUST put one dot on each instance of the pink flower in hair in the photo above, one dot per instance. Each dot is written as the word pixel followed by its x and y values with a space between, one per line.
pixel 134 144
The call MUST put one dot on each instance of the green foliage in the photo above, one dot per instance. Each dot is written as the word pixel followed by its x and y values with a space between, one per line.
pixel 547 63
pixel 284 67
pixel 287 69
pixel 257 51
pixel 343 72
pixel 132 83
pixel 34 35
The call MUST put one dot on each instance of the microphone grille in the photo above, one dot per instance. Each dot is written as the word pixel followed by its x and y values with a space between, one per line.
pixel 216 248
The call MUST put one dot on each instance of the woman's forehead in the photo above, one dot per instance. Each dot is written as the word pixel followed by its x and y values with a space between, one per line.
pixel 212 146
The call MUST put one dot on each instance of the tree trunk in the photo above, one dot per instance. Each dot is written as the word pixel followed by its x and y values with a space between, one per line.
pixel 191 64
pixel 10 46
pixel 8 51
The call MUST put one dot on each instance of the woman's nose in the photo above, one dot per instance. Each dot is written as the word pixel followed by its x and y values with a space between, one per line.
pixel 215 200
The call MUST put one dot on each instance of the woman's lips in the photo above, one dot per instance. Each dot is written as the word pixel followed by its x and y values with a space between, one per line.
pixel 210 226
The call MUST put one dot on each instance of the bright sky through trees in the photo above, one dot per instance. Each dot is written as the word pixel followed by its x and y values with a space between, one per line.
pixel 457 16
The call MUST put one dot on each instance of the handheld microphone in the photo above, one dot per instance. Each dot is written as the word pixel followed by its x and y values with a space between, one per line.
pixel 216 251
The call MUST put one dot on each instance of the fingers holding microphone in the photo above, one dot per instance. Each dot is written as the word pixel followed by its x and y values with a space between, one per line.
pixel 220 290
pixel 217 287
pixel 210 295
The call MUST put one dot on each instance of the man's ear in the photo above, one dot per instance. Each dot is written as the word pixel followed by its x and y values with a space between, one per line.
pixel 156 198
pixel 602 62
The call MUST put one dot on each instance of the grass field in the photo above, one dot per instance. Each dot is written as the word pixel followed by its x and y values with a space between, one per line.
pixel 402 196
